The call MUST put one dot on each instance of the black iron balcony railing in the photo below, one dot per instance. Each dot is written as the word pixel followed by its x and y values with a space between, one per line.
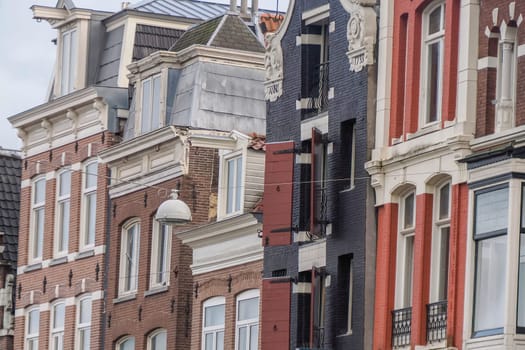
pixel 318 95
pixel 401 327
pixel 436 321
pixel 318 337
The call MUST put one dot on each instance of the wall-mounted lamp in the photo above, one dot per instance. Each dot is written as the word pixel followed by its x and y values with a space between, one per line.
pixel 173 211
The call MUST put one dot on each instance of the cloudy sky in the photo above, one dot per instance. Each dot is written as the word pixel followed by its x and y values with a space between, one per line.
pixel 28 56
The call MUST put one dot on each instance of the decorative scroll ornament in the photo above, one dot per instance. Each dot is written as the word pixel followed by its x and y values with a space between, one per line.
pixel 273 62
pixel 361 33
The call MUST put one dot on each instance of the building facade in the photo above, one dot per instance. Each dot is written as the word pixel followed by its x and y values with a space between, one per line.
pixel 319 227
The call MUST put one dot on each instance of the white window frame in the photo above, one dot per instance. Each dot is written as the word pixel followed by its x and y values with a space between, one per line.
pixel 426 41
pixel 249 294
pixel 132 274
pixel 82 327
pixel 151 127
pixel 57 333
pixel 31 338
pixel 224 188
pixel 155 258
pixel 215 330
pixel 121 342
pixel 62 200
pixel 405 233
pixel 153 335
pixel 439 224
pixel 84 241
pixel 35 236
pixel 69 61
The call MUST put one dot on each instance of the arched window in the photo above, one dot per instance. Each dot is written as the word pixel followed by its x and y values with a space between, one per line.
pixel 63 213
pixel 32 328
pixel 407 225
pixel 83 333
pixel 247 321
pixel 129 257
pixel 157 340
pixel 213 324
pixel 58 314
pixel 127 343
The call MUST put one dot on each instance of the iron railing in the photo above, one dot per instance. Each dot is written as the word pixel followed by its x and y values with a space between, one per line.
pixel 318 337
pixel 436 321
pixel 401 327
pixel 318 95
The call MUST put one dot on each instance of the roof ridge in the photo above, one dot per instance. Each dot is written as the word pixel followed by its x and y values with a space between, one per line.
pixel 217 30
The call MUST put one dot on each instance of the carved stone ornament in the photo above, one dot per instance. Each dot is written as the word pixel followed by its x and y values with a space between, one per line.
pixel 273 62
pixel 361 33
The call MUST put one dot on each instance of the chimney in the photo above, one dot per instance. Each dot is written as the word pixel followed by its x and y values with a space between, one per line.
pixel 244 8
pixel 125 5
pixel 255 9
pixel 233 5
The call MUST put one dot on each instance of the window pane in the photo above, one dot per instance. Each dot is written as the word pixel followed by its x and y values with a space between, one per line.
pixel 39 233
pixel 254 337
pixel 521 284
pixel 66 52
pixel 409 270
pixel 155 114
pixel 59 315
pixel 91 219
pixel 64 226
pixel 85 311
pixel 491 211
pixel 214 315
pixel 34 322
pixel 248 309
pixel 73 61
pixel 444 199
pixel 159 341
pixel 220 341
pixel 434 21
pixel 162 254
pixel 443 263
pixel 409 211
pixel 128 344
pixel 230 186
pixel 65 184
pixel 208 340
pixel 91 175
pixel 490 279
pixel 434 76
pixel 238 185
pixel 146 106
pixel 242 338
pixel 33 344
pixel 130 258
pixel 85 336
pixel 40 191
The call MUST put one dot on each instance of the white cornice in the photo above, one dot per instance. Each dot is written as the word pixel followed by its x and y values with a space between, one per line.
pixel 49 13
pixel 139 144
pixel 217 141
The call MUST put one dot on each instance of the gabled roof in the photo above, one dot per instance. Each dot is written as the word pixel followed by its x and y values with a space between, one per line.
pixel 182 8
pixel 228 31
pixel 10 170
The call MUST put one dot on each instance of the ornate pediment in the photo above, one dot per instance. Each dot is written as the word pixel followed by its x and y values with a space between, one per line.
pixel 273 63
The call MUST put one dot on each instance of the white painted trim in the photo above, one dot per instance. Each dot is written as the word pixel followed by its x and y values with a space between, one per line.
pixel 302 288
pixel 71 301
pixel 320 122
pixel 487 62
pixel 315 15
pixel 521 50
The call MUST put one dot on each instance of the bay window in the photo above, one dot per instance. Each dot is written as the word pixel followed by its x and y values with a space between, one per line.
pixel 32 329
pixel 83 333
pixel 160 255
pixel 129 258
pixel 36 239
pixel 150 114
pixel 247 322
pixel 58 314
pixel 490 235
pixel 63 211
pixel 213 324
pixel 89 205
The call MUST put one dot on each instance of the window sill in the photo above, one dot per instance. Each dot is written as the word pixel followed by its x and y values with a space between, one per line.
pixel 156 290
pixel 85 254
pixel 125 298
pixel 58 261
pixel 427 129
pixel 33 267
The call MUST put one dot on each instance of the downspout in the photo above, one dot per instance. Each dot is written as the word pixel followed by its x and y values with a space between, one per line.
pixel 106 266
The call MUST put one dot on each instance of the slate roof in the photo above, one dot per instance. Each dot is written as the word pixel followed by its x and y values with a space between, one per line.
pixel 149 39
pixel 228 31
pixel 10 170
pixel 182 8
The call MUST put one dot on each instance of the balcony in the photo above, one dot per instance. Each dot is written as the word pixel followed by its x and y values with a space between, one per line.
pixel 318 92
pixel 436 321
pixel 401 327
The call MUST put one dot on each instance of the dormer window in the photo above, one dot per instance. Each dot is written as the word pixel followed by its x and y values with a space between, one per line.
pixel 69 61
pixel 231 184
pixel 150 113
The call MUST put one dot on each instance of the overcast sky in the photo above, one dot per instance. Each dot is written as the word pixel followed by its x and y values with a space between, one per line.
pixel 28 56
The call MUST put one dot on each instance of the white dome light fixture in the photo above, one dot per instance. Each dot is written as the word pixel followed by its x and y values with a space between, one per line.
pixel 173 211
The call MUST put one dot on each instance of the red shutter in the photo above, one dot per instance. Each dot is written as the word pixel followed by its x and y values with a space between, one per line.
pixel 278 178
pixel 275 314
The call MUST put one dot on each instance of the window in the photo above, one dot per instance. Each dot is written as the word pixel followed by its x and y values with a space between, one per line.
pixel 127 343
pixel 58 314
pixel 160 255
pixel 348 152
pixel 247 324
pixel 69 61
pixel 157 340
pixel 83 324
pixel 490 235
pixel 521 275
pixel 233 184
pixel 32 329
pixel 150 116
pixel 406 248
pixel 318 200
pixel 440 244
pixel 36 241
pixel 89 205
pixel 345 285
pixel 129 258
pixel 213 324
pixel 432 65
pixel 63 211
